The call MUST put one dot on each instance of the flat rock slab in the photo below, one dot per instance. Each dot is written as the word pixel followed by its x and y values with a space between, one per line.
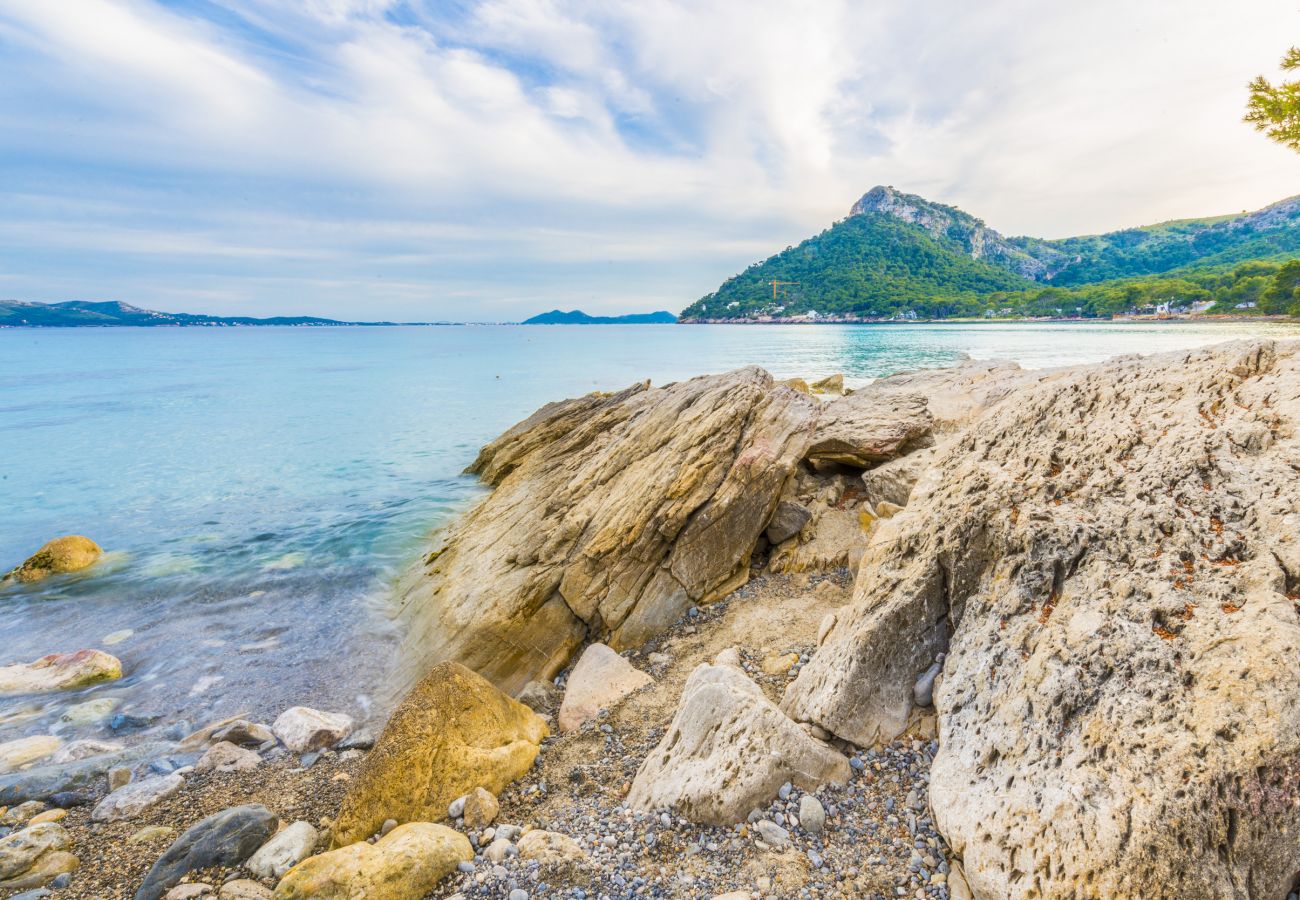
pixel 136 798
pixel 405 864
pixel 728 751
pixel 599 680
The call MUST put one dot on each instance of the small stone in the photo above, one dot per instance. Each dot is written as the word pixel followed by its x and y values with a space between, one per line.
pixel 824 629
pixel 118 777
pixel 404 865
pixel 90 712
pixel 812 815
pixel 225 756
pixel 226 838
pixel 549 847
pixel 456 808
pixel 389 825
pixel 303 730
pixel 243 733
pixel 480 809
pixel 728 657
pixel 518 894
pixel 772 834
pixel 151 833
pixel 136 798
pixel 784 791
pixel 599 680
pixel 540 696
pixel 499 849
pixel 84 749
pixel 50 815
pixel 21 813
pixel 71 553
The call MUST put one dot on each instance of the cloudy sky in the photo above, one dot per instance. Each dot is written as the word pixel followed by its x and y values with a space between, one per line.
pixel 453 159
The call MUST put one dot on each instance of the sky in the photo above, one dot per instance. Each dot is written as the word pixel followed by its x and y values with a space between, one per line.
pixel 484 161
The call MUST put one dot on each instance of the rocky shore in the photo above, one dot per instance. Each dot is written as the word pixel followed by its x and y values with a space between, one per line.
pixel 972 632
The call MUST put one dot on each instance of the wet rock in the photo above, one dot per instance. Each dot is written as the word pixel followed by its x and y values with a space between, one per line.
pixel 290 846
pixel 481 809
pixel 35 856
pixel 638 505
pixel 542 697
pixel 23 751
pixel 727 751
pixel 303 730
pixel 599 680
pixel 227 757
pixel 787 521
pixel 452 733
pixel 61 555
pixel 226 838
pixel 59 672
pixel 243 733
pixel 403 865
pixel 83 749
pixel 549 848
pixel 90 712
pixel 136 798
pixel 127 722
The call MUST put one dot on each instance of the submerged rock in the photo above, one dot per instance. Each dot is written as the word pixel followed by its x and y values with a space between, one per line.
pixel 611 515
pixel 599 680
pixel 59 672
pixel 23 751
pixel 728 750
pixel 226 838
pixel 71 778
pixel 454 732
pixel 66 554
pixel 405 864
pixel 1111 560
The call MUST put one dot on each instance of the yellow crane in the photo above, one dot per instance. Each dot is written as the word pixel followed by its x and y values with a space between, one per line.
pixel 775 285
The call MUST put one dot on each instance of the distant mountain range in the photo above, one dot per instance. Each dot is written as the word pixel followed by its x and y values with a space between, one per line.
pixel 83 313
pixel 900 255
pixel 578 317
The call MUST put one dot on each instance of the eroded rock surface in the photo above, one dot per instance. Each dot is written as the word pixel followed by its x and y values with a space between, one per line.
pixel 728 750
pixel 453 733
pixel 1112 563
pixel 611 515
pixel 599 680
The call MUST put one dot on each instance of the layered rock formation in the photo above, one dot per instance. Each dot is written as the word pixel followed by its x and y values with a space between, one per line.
pixel 1111 564
pixel 611 515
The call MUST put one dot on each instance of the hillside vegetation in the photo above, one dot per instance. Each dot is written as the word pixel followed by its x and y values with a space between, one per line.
pixel 899 256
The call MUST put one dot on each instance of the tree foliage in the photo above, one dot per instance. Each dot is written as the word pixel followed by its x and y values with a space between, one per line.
pixel 1275 109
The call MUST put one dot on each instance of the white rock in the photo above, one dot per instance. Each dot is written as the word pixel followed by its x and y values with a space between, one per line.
pixel 303 730
pixel 728 750
pixel 226 757
pixel 288 847
pixel 136 798
pixel 599 680
pixel 20 752
pixel 728 657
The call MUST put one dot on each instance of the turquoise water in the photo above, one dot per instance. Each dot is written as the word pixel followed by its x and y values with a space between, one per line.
pixel 259 489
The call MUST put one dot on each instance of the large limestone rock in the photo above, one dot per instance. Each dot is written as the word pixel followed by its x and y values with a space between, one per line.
pixel 59 671
pixel 405 864
pixel 66 554
pixel 599 680
pixel 869 427
pixel 955 396
pixel 728 750
pixel 611 515
pixel 1112 562
pixel 454 732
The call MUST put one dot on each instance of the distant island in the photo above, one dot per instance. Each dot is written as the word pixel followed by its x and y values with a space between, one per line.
pixel 900 257
pixel 578 317
pixel 109 313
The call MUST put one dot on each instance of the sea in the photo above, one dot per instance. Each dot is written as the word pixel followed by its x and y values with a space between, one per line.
pixel 259 490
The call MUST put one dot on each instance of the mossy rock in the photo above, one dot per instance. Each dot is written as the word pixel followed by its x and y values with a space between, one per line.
pixel 66 554
pixel 454 732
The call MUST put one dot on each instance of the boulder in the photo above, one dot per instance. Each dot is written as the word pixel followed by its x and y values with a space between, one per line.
pixel 76 777
pixel 290 846
pixel 1110 559
pixel 454 732
pixel 599 680
pixel 549 848
pixel 405 864
pixel 610 516
pixel 59 672
pixel 224 756
pixel 136 798
pixel 870 427
pixel 728 750
pixel 66 554
pixel 787 520
pixel 480 809
pixel 542 697
pixel 304 730
pixel 226 839
pixel 24 751
pixel 35 856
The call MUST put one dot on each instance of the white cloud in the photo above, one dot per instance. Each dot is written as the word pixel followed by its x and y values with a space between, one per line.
pixel 629 142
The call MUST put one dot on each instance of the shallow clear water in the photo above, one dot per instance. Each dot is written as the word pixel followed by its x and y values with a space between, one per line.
pixel 259 489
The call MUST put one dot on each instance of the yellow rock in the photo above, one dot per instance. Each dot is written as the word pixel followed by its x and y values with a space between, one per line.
pixel 798 384
pixel 50 815
pixel 60 671
pixel 453 733
pixel 405 864
pixel 832 384
pixel 775 664
pixel 66 554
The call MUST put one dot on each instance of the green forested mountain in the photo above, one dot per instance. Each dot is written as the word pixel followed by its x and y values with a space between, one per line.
pixel 897 254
